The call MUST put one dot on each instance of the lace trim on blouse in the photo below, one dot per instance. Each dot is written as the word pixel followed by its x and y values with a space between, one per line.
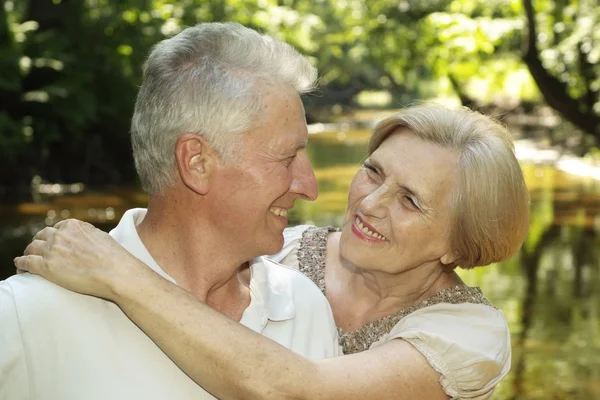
pixel 311 262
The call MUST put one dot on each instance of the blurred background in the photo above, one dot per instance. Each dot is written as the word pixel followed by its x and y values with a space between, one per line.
pixel 70 69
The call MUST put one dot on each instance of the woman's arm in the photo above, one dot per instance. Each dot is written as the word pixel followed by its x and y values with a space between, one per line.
pixel 226 358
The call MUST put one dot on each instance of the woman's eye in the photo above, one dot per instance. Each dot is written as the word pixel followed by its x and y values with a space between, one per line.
pixel 409 200
pixel 370 168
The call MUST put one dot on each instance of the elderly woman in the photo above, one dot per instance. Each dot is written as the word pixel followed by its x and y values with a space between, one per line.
pixel 441 188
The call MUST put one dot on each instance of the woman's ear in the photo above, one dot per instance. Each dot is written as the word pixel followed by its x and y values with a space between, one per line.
pixel 450 258
pixel 195 160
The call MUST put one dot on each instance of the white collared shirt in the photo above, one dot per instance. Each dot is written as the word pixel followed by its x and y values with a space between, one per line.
pixel 59 345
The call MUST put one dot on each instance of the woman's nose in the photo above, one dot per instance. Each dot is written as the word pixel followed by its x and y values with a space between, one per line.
pixel 375 204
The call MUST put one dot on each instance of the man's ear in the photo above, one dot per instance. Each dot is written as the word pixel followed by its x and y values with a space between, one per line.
pixel 196 161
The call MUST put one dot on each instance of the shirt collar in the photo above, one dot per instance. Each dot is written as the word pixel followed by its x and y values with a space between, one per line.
pixel 270 283
pixel 125 233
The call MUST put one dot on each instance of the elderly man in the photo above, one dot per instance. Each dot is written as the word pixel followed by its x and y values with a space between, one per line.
pixel 219 140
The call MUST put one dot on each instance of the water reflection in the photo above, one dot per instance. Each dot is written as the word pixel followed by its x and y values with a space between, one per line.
pixel 549 292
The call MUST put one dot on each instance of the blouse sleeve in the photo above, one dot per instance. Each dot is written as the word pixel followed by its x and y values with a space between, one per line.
pixel 468 344
pixel 288 255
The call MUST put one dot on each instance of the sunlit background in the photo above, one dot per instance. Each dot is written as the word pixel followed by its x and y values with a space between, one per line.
pixel 70 69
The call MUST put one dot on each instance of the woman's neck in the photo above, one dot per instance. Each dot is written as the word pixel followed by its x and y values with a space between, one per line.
pixel 359 296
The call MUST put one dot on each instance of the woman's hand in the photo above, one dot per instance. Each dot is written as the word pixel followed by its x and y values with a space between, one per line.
pixel 79 257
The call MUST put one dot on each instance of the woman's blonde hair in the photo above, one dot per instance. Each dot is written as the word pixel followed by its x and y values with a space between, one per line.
pixel 490 205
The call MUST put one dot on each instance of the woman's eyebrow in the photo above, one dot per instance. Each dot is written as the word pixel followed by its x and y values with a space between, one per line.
pixel 413 192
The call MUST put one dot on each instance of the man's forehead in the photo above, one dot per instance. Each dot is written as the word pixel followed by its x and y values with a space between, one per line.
pixel 283 144
pixel 287 148
pixel 288 139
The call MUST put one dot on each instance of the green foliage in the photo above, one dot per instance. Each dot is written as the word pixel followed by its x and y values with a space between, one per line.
pixel 71 68
pixel 568 39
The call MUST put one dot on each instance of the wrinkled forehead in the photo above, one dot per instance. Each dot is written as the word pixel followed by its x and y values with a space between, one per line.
pixel 431 169
pixel 280 123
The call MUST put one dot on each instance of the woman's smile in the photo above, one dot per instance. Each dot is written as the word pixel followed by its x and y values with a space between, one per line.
pixel 366 232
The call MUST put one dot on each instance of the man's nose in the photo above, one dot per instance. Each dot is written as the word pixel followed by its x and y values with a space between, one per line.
pixel 304 181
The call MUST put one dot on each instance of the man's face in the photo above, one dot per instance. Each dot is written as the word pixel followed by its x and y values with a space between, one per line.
pixel 255 190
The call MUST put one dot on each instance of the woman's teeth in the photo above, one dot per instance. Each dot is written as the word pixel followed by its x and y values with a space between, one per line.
pixel 367 231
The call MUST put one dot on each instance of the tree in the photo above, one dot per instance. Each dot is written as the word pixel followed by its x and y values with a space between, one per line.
pixel 70 69
pixel 574 93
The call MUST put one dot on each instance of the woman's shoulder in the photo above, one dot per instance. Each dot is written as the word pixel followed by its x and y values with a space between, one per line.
pixel 294 233
pixel 292 240
pixel 478 324
pixel 312 232
pixel 467 343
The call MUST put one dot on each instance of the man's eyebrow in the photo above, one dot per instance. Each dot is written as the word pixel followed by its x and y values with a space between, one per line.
pixel 298 146
pixel 413 192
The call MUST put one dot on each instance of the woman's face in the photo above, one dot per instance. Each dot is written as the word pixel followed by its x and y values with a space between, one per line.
pixel 398 215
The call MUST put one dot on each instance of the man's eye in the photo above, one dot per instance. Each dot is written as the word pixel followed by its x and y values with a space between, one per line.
pixel 288 161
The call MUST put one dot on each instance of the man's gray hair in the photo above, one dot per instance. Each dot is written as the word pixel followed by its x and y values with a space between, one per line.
pixel 206 80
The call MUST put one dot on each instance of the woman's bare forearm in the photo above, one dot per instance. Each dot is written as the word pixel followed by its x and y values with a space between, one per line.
pixel 221 355
pixel 226 358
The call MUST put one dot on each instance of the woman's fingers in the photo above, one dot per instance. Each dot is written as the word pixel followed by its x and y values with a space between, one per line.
pixel 79 257
pixel 37 247
pixel 72 223
pixel 45 234
pixel 30 263
pixel 60 223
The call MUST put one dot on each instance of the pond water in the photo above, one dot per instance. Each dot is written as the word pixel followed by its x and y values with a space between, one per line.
pixel 549 292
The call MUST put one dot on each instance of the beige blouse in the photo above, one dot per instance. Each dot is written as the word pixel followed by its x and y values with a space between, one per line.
pixel 461 334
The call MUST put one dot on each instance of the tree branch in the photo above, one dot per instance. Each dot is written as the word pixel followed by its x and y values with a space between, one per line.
pixel 553 90
pixel 464 97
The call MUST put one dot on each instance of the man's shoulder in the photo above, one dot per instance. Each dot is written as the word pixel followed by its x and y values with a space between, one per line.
pixel 32 286
pixel 34 296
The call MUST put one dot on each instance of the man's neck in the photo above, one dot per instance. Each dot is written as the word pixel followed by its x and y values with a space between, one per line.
pixel 196 261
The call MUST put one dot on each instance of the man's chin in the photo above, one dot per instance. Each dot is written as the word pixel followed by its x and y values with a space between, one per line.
pixel 274 245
